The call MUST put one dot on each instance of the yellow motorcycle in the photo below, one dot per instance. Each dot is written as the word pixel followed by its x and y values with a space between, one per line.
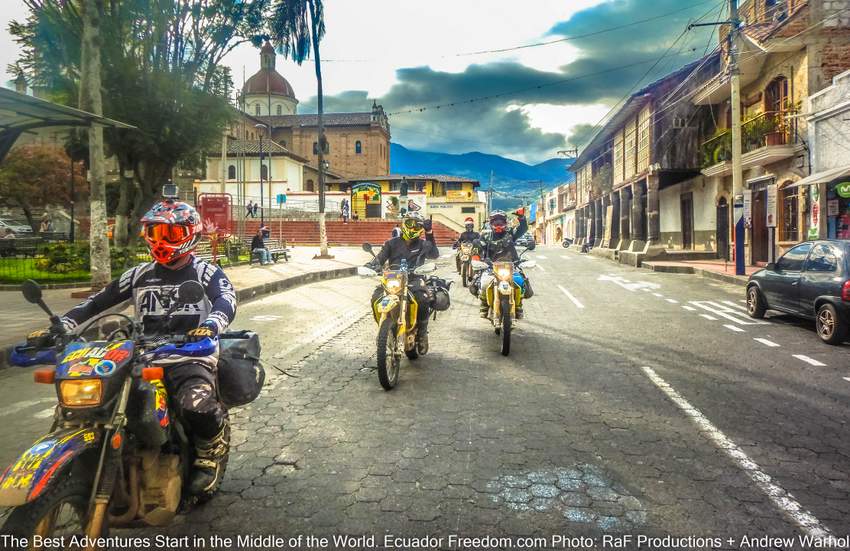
pixel 504 292
pixel 395 313
pixel 464 262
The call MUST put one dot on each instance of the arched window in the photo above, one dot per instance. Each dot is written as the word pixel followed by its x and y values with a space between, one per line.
pixel 279 110
pixel 231 172
pixel 256 108
pixel 310 185
pixel 264 172
pixel 358 147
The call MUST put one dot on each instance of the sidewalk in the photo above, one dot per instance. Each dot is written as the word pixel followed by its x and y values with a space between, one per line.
pixel 715 269
pixel 20 317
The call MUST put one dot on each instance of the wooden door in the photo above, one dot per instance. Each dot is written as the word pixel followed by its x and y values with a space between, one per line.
pixel 759 226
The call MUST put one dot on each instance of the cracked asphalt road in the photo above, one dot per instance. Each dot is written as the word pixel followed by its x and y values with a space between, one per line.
pixel 568 435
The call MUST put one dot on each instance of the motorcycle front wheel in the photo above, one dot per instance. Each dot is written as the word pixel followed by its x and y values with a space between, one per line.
pixel 388 354
pixel 506 325
pixel 464 274
pixel 61 511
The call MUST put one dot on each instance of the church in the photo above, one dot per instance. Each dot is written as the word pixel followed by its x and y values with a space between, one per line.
pixel 358 144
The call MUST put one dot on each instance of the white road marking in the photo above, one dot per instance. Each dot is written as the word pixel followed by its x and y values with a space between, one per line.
pixel 846 379
pixel 626 284
pixel 44 414
pixel 565 257
pixel 724 311
pixel 766 342
pixel 709 318
pixel 571 297
pixel 266 318
pixel 810 361
pixel 780 497
pixel 659 295
pixel 540 267
pixel 16 407
pixel 733 305
pixel 689 308
pixel 734 328
pixel 672 300
pixel 646 289
pixel 540 257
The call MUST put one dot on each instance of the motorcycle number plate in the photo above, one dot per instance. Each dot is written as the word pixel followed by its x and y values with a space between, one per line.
pixel 464 257
pixel 504 287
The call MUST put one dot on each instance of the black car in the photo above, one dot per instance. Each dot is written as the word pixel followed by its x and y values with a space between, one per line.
pixel 525 240
pixel 812 281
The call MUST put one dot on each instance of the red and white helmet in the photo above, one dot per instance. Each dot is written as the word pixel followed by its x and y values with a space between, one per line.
pixel 172 230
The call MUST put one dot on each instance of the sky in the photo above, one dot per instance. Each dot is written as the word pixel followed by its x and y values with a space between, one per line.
pixel 409 54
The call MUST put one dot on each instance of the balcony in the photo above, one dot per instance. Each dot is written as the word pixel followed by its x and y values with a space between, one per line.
pixel 766 138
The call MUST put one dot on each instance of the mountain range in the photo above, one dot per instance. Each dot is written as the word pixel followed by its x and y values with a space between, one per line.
pixel 512 180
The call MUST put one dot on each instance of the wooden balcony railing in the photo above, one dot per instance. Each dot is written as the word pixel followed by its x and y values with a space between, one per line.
pixel 765 129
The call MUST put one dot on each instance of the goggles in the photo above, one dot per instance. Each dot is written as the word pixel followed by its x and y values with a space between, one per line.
pixel 412 224
pixel 499 224
pixel 168 233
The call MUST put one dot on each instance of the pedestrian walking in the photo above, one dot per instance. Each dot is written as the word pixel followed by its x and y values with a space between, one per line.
pixel 249 208
pixel 255 209
pixel 344 210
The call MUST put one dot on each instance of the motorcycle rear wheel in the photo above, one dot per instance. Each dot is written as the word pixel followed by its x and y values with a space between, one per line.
pixel 506 325
pixel 388 356
pixel 61 511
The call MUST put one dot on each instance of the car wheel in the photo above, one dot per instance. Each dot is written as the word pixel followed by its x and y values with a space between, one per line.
pixel 831 329
pixel 756 306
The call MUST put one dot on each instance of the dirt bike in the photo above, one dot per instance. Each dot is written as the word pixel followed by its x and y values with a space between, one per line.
pixel 465 262
pixel 504 292
pixel 395 313
pixel 116 454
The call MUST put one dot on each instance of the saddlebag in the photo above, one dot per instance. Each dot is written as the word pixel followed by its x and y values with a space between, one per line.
pixel 442 299
pixel 240 374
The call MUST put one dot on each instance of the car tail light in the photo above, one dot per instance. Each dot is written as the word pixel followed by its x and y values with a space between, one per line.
pixel 845 291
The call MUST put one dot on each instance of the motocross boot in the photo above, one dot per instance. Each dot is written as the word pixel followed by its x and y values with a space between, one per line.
pixel 210 463
pixel 484 309
pixel 422 339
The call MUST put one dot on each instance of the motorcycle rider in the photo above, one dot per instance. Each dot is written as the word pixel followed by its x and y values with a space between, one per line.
pixel 498 245
pixel 412 246
pixel 468 236
pixel 172 230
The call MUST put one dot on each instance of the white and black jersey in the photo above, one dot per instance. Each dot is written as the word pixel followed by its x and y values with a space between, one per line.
pixel 150 287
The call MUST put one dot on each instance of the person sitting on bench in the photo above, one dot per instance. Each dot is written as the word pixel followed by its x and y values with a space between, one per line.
pixel 258 247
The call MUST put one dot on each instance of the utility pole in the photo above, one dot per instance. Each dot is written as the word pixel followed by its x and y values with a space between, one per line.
pixel 737 170
pixel 490 195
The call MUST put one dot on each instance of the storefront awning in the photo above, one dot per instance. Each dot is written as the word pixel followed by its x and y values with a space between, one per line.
pixel 823 176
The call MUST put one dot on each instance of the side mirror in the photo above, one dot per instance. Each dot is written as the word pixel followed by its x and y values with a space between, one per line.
pixel 771 267
pixel 531 246
pixel 527 264
pixel 426 268
pixel 366 272
pixel 477 265
pixel 190 292
pixel 31 291
pixel 368 248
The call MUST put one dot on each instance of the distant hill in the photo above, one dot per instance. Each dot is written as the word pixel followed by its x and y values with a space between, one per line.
pixel 510 178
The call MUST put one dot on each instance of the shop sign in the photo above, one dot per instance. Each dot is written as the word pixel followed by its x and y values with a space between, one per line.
pixel 748 208
pixel 771 206
pixel 843 190
pixel 832 207
pixel 814 215
pixel 456 195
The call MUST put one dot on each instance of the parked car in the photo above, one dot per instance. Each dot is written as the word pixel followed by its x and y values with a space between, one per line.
pixel 812 281
pixel 525 240
pixel 15 226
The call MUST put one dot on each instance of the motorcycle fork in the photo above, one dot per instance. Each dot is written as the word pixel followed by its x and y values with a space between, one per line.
pixel 107 467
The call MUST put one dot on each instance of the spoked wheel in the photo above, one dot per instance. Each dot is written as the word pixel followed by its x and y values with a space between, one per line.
pixel 830 328
pixel 60 511
pixel 389 357
pixel 506 325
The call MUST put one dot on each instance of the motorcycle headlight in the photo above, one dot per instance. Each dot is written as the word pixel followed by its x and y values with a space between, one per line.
pixel 82 393
pixel 393 286
pixel 503 273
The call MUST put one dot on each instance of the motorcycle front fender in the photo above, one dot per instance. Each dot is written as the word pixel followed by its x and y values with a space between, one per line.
pixel 42 464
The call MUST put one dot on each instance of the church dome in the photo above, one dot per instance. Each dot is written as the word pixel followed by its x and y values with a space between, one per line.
pixel 267 80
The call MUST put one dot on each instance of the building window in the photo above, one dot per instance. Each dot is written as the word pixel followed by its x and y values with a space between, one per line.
pixel 231 172
pixel 279 110
pixel 264 172
pixel 467 210
pixel 315 148
pixel 454 186
pixel 358 147
pixel 790 215
pixel 256 108
pixel 310 185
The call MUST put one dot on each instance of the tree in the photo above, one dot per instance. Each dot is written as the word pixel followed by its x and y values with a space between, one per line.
pixel 298 26
pixel 34 176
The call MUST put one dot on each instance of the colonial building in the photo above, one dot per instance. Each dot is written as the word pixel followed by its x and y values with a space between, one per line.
pixel 358 144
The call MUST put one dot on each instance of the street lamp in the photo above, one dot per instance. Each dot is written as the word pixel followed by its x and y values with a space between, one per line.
pixel 262 210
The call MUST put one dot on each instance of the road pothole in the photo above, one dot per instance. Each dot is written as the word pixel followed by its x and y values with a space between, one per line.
pixel 582 494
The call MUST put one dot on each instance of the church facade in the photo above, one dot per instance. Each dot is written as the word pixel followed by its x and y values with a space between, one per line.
pixel 357 143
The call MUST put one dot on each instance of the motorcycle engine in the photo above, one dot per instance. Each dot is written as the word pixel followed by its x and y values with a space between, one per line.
pixel 161 483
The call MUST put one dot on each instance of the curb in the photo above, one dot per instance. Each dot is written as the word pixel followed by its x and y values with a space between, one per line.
pixel 726 278
pixel 249 294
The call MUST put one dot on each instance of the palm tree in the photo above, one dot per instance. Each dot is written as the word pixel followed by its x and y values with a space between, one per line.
pixel 298 26
pixel 91 100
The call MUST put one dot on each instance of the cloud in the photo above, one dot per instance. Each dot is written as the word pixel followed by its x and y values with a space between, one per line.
pixel 605 68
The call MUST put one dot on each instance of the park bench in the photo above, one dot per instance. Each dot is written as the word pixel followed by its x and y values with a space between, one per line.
pixel 19 247
pixel 276 249
pixel 204 252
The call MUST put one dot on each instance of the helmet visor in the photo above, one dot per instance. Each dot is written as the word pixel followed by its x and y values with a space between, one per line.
pixel 498 225
pixel 173 234
pixel 412 224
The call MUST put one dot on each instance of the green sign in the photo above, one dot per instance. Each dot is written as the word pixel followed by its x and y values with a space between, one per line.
pixel 843 189
pixel 366 186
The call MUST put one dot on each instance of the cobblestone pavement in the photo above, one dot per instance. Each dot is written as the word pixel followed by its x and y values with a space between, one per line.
pixel 627 406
